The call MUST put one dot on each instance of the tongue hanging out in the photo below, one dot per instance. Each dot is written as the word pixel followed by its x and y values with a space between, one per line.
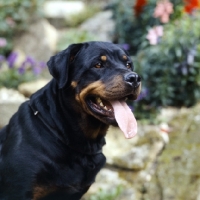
pixel 125 118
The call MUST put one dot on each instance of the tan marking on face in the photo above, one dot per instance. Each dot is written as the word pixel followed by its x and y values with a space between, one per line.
pixel 71 58
pixel 115 87
pixel 93 130
pixel 42 191
pixel 124 57
pixel 137 92
pixel 111 90
pixel 73 84
pixel 96 88
pixel 103 58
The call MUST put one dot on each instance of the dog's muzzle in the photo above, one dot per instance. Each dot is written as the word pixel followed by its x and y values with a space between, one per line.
pixel 132 79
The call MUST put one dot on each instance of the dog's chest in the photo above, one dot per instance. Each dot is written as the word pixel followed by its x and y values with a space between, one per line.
pixel 70 179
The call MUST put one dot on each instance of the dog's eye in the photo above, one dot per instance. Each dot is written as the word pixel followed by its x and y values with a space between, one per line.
pixel 128 65
pixel 98 65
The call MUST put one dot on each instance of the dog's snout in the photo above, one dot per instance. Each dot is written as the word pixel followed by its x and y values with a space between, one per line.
pixel 133 79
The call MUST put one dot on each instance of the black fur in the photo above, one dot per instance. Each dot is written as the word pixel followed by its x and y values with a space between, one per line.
pixel 47 151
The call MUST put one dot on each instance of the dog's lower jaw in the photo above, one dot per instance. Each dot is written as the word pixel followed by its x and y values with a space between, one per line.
pixel 93 127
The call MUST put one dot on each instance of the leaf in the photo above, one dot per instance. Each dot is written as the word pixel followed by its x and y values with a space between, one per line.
pixel 178 52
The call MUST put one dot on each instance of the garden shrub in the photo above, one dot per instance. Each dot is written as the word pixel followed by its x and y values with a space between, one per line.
pixel 13 74
pixel 134 17
pixel 78 18
pixel 165 42
pixel 15 16
pixel 73 36
pixel 103 194
pixel 171 69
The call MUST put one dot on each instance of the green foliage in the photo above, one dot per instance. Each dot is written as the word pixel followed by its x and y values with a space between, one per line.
pixel 15 16
pixel 107 195
pixel 78 18
pixel 11 78
pixel 73 36
pixel 171 69
pixel 125 23
pixel 132 29
pixel 13 74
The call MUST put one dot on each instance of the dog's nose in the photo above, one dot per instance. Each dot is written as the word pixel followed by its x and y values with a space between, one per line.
pixel 133 79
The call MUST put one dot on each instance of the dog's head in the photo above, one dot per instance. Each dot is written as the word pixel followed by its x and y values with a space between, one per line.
pixel 101 74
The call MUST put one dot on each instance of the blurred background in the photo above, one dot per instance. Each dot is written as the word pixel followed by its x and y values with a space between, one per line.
pixel 163 38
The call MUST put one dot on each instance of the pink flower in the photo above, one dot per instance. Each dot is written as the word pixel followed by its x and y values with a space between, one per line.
pixel 154 34
pixel 10 21
pixel 163 10
pixel 3 42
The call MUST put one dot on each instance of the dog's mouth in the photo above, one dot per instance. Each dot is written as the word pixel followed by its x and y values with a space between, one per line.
pixel 104 107
pixel 101 106
pixel 114 112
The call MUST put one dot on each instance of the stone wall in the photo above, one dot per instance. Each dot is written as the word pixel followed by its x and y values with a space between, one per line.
pixel 146 167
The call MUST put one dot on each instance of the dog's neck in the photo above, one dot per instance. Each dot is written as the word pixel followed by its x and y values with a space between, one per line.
pixel 92 127
pixel 57 113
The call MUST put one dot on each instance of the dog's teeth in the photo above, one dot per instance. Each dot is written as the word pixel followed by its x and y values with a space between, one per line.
pixel 109 110
pixel 126 98
pixel 105 108
pixel 101 104
pixel 98 100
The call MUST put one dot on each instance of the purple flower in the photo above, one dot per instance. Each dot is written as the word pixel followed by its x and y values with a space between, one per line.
pixel 42 65
pixel 125 46
pixel 2 59
pixel 191 55
pixel 184 70
pixel 38 67
pixel 3 42
pixel 21 70
pixel 131 107
pixel 37 70
pixel 144 92
pixel 30 60
pixel 11 59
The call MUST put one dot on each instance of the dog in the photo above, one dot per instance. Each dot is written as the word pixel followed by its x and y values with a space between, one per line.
pixel 51 148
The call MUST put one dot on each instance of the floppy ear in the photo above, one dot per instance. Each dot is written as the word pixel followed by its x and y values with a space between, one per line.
pixel 59 64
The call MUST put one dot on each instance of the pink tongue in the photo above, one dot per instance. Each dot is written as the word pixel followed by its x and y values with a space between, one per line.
pixel 125 118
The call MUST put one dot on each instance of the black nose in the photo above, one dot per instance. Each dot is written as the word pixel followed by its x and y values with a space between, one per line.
pixel 133 79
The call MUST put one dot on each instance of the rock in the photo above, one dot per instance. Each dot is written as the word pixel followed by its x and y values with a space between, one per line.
pixel 177 175
pixel 116 144
pixel 10 95
pixel 167 114
pixel 136 153
pixel 39 42
pixel 104 180
pixel 130 164
pixel 9 102
pixel 62 9
pixel 27 89
pixel 58 12
pixel 102 25
pixel 134 159
pixel 109 184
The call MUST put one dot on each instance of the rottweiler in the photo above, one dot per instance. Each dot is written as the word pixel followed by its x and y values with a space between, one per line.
pixel 52 147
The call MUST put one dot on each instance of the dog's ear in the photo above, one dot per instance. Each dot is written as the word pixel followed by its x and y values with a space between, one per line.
pixel 59 64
